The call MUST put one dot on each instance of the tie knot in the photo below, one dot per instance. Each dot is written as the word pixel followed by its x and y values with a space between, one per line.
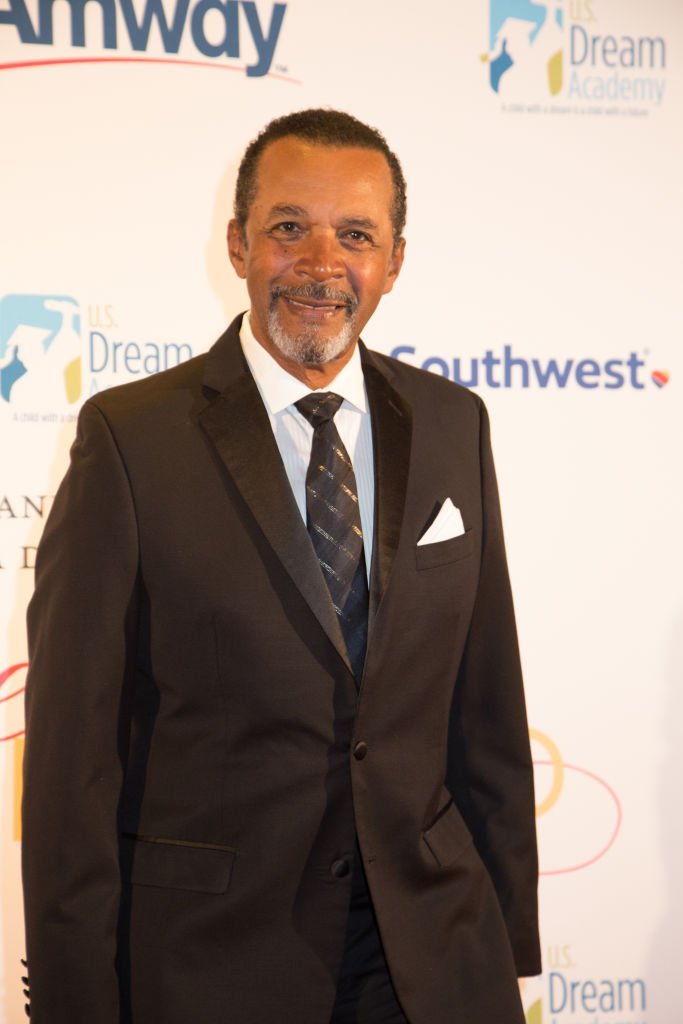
pixel 319 407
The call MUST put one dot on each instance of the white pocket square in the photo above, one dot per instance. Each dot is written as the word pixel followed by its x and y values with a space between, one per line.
pixel 447 524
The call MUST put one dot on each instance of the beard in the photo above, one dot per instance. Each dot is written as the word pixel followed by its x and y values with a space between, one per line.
pixel 310 347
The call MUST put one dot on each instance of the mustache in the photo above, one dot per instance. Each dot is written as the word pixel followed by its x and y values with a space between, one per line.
pixel 320 292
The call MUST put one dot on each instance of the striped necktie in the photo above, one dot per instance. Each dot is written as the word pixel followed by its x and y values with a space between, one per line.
pixel 333 521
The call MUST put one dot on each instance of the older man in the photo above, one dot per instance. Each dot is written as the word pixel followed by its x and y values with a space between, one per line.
pixel 277 764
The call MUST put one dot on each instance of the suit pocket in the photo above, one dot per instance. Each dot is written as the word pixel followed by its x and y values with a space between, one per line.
pixel 174 864
pixel 448 837
pixel 428 556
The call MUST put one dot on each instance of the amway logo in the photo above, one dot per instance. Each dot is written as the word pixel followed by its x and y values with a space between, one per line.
pixel 511 371
pixel 182 20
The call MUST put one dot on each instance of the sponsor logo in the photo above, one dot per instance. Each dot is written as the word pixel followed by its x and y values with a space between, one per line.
pixel 564 995
pixel 572 56
pixel 190 32
pixel 40 344
pixel 52 353
pixel 578 813
pixel 505 368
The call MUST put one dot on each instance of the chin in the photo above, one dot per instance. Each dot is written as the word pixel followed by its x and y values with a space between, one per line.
pixel 309 347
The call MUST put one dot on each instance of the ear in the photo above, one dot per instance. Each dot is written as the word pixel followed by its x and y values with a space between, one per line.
pixel 237 248
pixel 395 264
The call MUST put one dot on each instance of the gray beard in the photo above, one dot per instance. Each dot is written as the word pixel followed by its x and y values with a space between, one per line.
pixel 308 348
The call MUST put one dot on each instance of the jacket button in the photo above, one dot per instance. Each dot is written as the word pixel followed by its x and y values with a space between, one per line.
pixel 340 868
pixel 360 750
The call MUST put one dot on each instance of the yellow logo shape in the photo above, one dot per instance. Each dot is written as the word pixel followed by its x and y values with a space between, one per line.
pixel 558 771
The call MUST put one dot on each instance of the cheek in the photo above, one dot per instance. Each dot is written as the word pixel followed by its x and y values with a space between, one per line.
pixel 369 284
pixel 267 267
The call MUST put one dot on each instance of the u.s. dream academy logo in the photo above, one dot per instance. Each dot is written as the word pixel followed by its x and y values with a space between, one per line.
pixel 573 56
pixel 566 994
pixel 54 350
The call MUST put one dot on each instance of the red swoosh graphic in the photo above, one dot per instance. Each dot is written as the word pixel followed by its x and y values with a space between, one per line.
pixel 615 832
pixel 4 676
pixel 17 65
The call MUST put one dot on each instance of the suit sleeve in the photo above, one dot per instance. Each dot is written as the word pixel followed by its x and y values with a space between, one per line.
pixel 490 771
pixel 81 625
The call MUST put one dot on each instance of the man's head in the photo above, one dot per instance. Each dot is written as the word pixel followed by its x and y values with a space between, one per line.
pixel 319 210
pixel 319 127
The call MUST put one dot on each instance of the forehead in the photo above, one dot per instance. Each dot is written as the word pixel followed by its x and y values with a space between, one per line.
pixel 295 172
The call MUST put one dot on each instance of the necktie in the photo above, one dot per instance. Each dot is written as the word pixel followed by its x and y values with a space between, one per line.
pixel 333 521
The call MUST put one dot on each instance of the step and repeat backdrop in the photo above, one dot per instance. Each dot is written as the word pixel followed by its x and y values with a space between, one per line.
pixel 543 149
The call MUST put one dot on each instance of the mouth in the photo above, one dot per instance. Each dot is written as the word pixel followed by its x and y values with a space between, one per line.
pixel 313 308
pixel 316 303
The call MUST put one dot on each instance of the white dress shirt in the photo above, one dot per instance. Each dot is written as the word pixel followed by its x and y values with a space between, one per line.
pixel 294 434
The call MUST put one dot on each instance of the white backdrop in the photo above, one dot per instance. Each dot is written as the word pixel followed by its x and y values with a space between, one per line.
pixel 543 151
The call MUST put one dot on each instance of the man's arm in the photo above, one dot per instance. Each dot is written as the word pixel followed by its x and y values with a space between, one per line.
pixel 81 625
pixel 490 771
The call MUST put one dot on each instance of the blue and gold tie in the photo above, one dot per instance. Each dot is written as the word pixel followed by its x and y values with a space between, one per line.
pixel 333 521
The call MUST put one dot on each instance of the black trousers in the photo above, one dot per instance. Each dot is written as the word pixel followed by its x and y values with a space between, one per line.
pixel 365 992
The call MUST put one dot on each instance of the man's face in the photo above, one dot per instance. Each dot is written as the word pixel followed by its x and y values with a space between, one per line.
pixel 318 250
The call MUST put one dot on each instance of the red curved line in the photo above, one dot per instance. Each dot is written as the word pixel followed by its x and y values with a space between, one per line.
pixel 12 736
pixel 10 695
pixel 610 842
pixel 16 65
pixel 4 676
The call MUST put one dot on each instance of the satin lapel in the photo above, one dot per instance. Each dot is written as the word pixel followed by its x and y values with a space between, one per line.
pixel 237 424
pixel 392 428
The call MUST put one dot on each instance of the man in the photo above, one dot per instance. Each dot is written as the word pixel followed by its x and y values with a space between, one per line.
pixel 277 763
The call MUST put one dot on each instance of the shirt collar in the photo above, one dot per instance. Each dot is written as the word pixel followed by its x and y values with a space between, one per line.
pixel 280 389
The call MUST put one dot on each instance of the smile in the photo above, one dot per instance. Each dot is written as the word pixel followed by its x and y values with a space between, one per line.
pixel 315 303
pixel 314 310
pixel 313 306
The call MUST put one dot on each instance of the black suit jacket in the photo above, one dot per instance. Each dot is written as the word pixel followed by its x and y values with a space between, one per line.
pixel 192 776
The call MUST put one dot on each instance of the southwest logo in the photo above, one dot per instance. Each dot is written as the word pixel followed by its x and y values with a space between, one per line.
pixel 215 28
pixel 507 369
pixel 40 346
pixel 525 38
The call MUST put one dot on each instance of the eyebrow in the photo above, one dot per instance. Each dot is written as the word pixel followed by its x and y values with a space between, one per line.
pixel 359 222
pixel 286 210
pixel 290 210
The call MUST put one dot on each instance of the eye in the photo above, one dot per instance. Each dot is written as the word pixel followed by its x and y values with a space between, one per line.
pixel 357 238
pixel 288 228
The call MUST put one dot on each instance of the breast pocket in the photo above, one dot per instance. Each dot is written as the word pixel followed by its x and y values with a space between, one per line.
pixel 428 556
pixel 174 864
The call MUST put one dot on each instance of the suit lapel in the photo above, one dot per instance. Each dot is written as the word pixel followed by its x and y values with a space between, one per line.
pixel 392 437
pixel 237 425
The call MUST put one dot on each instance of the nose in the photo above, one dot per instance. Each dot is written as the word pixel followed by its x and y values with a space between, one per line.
pixel 319 257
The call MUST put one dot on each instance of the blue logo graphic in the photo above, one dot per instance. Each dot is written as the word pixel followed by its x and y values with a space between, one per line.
pixel 525 37
pixel 40 345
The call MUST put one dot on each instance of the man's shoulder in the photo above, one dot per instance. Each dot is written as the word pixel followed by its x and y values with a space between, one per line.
pixel 187 385
pixel 140 402
pixel 422 385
